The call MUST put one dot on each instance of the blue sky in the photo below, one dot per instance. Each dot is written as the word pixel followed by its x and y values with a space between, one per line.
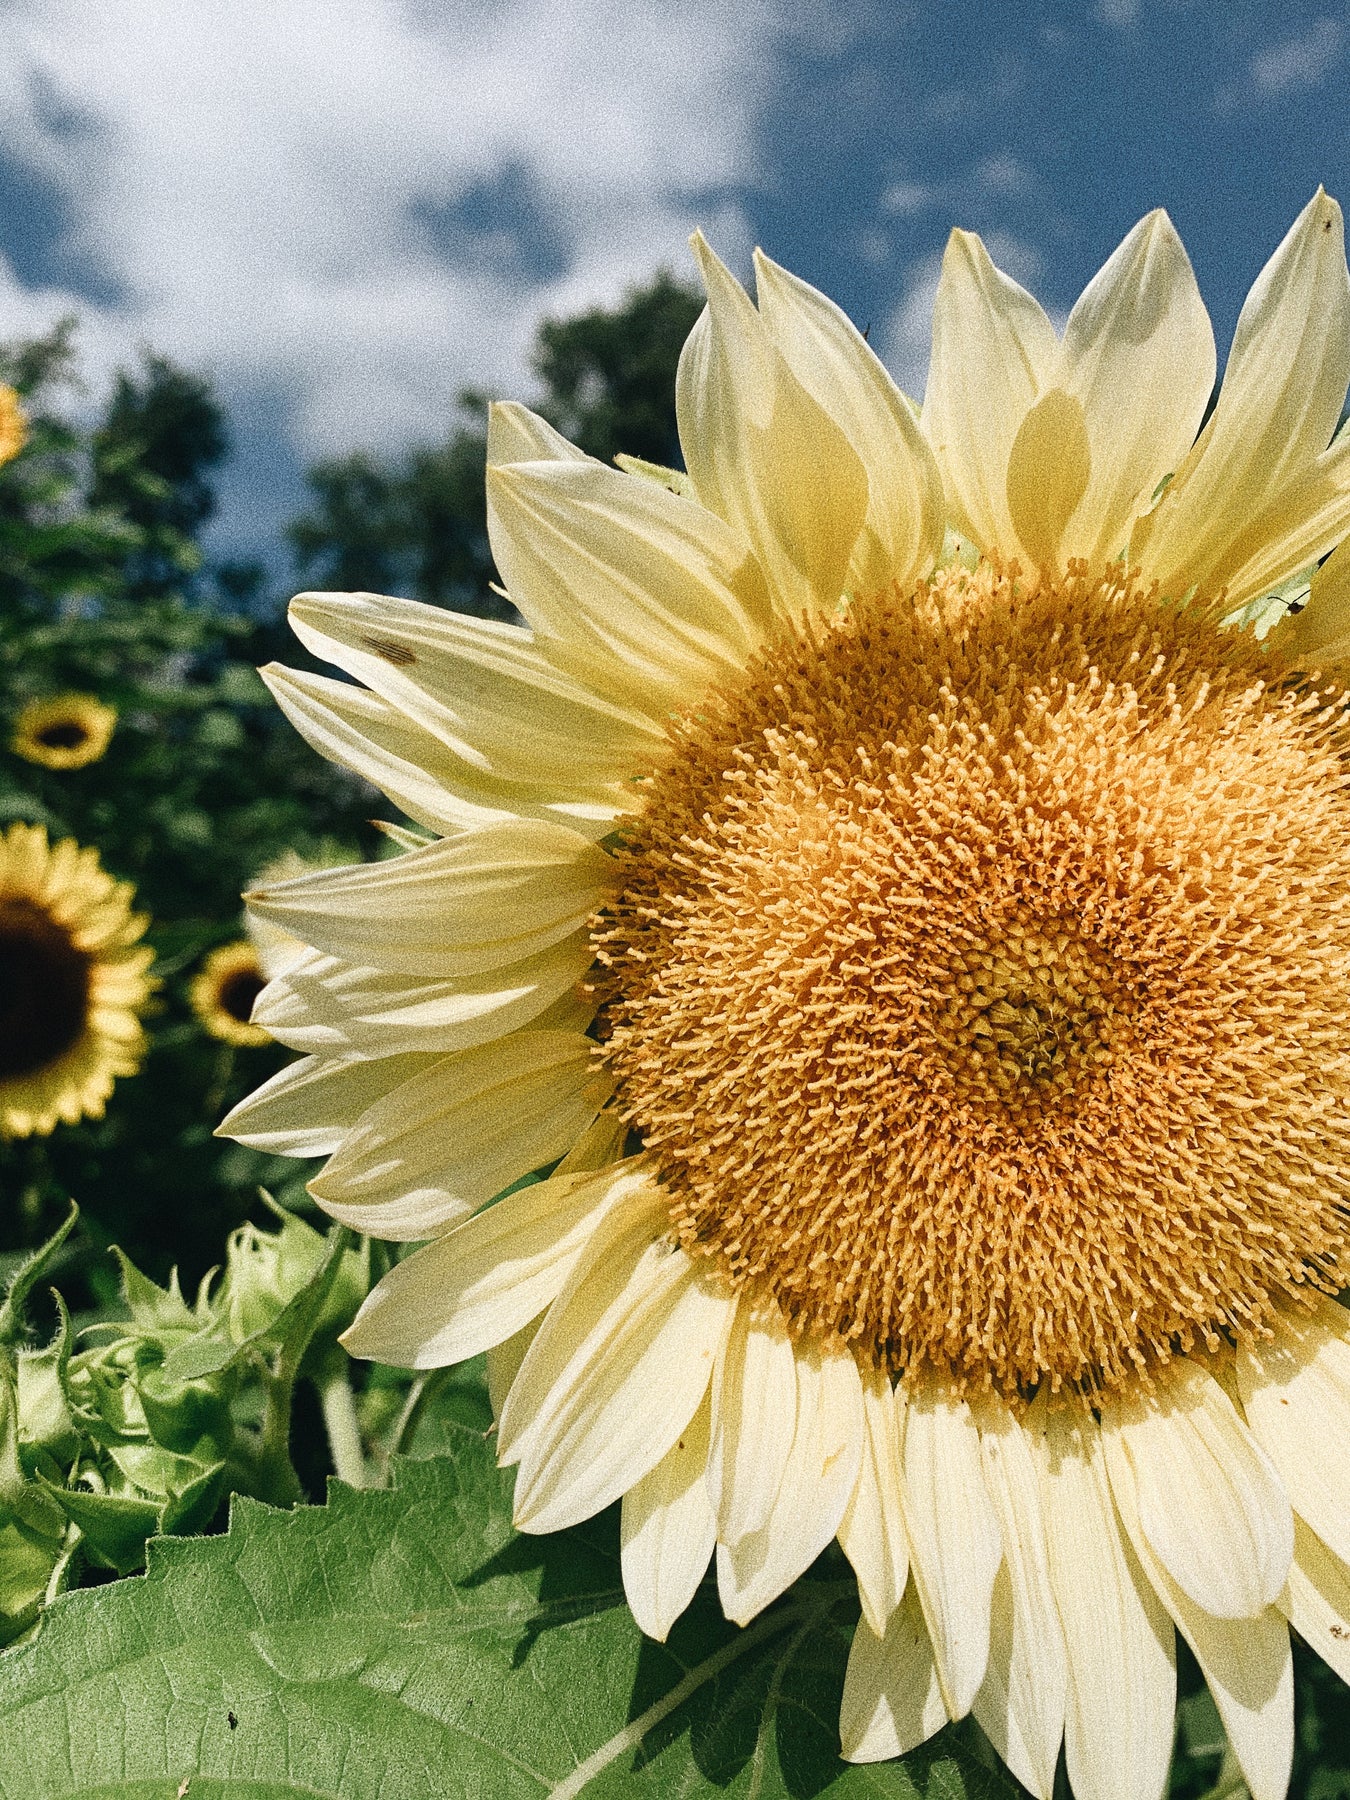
pixel 346 210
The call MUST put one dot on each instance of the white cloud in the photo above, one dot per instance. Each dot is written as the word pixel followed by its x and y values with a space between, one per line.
pixel 1120 13
pixel 1300 61
pixel 254 181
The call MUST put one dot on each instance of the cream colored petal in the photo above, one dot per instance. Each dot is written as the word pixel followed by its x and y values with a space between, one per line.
pixel 1138 357
pixel 763 454
pixel 1282 393
pixel 503 1363
pixel 667 1531
pixel 754 1405
pixel 485 1279
pixel 1296 1395
pixel 892 1699
pixel 954 1542
pixel 819 1477
pixel 642 595
pixel 1308 518
pixel 485 690
pixel 901 537
pixel 1316 1600
pixel 465 904
pixel 1246 1661
pixel 1208 1500
pixel 307 1108
pixel 615 1375
pixel 323 1004
pixel 1118 1638
pixel 993 354
pixel 515 434
pixel 440 1145
pixel 1319 636
pixel 873 1529
pixel 1021 1701
pixel 1049 470
pixel 362 732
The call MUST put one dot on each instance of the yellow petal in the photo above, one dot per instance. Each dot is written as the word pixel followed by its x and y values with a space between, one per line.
pixel 1246 1661
pixel 515 434
pixel 1049 466
pixel 1296 1395
pixel 1307 519
pixel 1319 636
pixel 615 1375
pixel 901 537
pixel 819 1476
pixel 485 1279
pixel 892 1700
pixel 1208 1500
pixel 872 1533
pixel 1317 1599
pixel 641 595
pixel 1138 356
pixel 1281 396
pixel 993 354
pixel 1117 1636
pixel 667 1530
pixel 307 1108
pixel 763 454
pixel 754 1403
pixel 464 905
pixel 503 1363
pixel 440 1145
pixel 954 1542
pixel 1021 1702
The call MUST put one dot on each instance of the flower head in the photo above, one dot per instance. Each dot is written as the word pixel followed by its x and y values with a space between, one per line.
pixel 902 872
pixel 67 732
pixel 73 982
pixel 13 424
pixel 223 992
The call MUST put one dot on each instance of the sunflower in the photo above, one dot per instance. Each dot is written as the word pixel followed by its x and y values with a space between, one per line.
pixel 72 982
pixel 13 425
pixel 67 732
pixel 903 873
pixel 223 991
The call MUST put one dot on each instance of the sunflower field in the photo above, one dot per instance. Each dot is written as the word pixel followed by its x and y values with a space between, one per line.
pixel 297 1494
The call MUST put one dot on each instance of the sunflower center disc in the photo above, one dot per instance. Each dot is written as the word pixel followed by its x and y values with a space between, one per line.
pixel 44 989
pixel 979 980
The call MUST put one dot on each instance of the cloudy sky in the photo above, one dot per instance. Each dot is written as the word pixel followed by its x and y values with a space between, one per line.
pixel 347 210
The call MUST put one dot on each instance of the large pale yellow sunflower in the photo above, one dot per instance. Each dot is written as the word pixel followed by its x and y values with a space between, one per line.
pixel 69 731
pixel 72 982
pixel 903 870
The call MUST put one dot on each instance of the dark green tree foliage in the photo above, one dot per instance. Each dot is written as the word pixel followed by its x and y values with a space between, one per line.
pixel 103 590
pixel 418 526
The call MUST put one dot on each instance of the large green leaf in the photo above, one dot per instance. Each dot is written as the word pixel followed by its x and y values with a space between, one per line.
pixel 406 1645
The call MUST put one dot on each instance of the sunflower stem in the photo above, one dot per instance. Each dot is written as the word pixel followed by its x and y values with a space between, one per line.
pixel 344 1430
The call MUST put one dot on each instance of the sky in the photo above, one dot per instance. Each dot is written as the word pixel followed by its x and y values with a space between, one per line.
pixel 346 211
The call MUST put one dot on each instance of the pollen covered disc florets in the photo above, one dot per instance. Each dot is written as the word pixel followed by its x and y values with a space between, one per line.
pixel 979 979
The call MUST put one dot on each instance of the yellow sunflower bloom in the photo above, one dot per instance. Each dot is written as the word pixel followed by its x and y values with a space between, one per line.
pixel 13 424
pixel 72 983
pixel 899 882
pixel 67 732
pixel 223 991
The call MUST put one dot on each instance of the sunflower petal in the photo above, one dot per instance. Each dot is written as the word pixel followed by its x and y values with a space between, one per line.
pixel 993 354
pixel 485 1279
pixel 441 1144
pixel 872 1532
pixel 901 537
pixel 954 1541
pixel 515 434
pixel 617 1371
pixel 1208 1500
pixel 892 1698
pixel 1316 1599
pixel 762 454
pixel 667 1531
pixel 307 1108
pixel 754 1402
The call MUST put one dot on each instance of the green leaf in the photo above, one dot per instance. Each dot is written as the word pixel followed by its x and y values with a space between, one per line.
pixel 406 1643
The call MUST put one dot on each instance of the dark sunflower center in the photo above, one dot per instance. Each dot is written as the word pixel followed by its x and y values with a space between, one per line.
pixel 44 989
pixel 238 993
pixel 64 734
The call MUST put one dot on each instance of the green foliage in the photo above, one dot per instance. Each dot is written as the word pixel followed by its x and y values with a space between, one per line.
pixel 144 1423
pixel 406 1643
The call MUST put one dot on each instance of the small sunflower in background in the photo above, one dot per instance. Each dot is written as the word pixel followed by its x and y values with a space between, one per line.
pixel 223 991
pixel 13 425
pixel 73 980
pixel 67 732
